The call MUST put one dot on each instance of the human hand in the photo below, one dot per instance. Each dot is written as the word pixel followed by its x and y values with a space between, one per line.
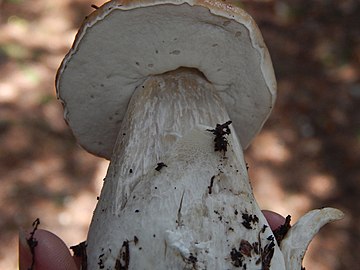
pixel 52 253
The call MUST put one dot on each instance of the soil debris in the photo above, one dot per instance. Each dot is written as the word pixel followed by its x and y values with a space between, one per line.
pixel 32 242
pixel 220 131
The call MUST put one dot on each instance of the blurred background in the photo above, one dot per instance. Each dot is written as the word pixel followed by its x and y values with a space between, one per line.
pixel 306 157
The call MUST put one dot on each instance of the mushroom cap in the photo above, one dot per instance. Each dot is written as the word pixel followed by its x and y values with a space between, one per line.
pixel 123 42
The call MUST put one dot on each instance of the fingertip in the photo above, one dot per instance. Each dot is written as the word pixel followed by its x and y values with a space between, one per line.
pixel 274 219
pixel 24 251
pixel 50 252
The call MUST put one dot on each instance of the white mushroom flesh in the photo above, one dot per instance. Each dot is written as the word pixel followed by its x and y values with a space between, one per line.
pixel 195 212
pixel 117 52
pixel 300 235
pixel 170 201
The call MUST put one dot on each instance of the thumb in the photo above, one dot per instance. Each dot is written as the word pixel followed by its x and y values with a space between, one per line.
pixel 50 252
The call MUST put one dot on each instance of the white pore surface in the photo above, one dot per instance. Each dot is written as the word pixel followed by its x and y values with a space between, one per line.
pixel 118 52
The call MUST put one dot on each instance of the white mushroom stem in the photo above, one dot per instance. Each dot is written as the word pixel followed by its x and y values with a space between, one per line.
pixel 198 211
pixel 195 212
pixel 170 201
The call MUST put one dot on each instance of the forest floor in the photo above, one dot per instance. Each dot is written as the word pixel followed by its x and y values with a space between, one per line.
pixel 307 156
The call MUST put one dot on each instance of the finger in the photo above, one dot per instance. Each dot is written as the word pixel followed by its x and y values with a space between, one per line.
pixel 50 252
pixel 77 261
pixel 274 219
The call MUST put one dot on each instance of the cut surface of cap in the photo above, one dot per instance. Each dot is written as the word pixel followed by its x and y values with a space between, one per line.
pixel 124 42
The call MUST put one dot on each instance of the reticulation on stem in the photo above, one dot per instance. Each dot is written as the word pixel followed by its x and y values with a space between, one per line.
pixel 197 211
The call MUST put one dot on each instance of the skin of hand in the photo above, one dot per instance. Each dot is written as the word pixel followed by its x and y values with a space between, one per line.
pixel 52 253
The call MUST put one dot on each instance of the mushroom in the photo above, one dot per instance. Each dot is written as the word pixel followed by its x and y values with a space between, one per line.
pixel 172 92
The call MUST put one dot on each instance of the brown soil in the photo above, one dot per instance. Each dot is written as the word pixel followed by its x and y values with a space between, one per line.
pixel 306 157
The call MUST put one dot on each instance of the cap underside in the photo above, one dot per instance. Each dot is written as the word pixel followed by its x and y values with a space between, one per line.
pixel 118 52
